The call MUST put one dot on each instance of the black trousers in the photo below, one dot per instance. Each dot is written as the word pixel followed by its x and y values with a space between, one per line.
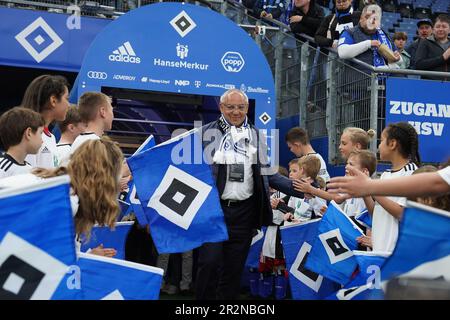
pixel 220 264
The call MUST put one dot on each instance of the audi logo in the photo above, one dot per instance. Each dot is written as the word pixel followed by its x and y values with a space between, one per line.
pixel 97 75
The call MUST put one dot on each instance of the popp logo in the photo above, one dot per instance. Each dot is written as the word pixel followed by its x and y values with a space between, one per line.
pixel 232 61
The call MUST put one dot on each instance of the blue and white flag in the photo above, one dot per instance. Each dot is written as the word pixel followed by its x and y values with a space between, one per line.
pixel 132 196
pixel 304 284
pixel 113 279
pixel 364 218
pixel 255 249
pixel 109 238
pixel 179 197
pixel 331 254
pixel 423 245
pixel 366 285
pixel 37 239
pixel 147 144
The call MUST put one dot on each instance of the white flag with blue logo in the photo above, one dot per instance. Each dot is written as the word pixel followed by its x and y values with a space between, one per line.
pixel 423 245
pixel 364 218
pixel 109 238
pixel 331 254
pixel 105 278
pixel 255 248
pixel 132 196
pixel 366 285
pixel 304 284
pixel 37 240
pixel 180 199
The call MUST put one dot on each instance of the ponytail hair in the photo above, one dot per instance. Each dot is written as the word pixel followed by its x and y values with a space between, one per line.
pixel 407 139
pixel 358 135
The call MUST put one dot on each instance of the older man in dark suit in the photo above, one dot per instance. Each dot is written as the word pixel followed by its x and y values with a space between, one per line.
pixel 239 165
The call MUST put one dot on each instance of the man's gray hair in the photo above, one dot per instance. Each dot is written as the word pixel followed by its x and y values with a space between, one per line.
pixel 372 8
pixel 232 91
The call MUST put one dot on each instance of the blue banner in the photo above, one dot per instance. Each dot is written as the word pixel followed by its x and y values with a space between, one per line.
pixel 37 240
pixel 109 238
pixel 168 55
pixel 180 200
pixel 112 279
pixel 305 284
pixel 37 39
pixel 426 106
pixel 423 245
pixel 331 254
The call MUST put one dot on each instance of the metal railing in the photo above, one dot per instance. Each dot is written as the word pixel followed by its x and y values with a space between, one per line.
pixel 98 8
pixel 328 93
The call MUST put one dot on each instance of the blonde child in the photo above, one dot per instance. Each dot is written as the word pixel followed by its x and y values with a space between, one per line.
pixel 354 139
pixel 94 172
pixel 307 167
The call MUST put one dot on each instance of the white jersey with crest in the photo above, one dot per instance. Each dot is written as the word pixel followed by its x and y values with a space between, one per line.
pixel 47 156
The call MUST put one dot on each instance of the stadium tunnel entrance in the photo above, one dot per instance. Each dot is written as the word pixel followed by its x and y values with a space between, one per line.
pixel 165 65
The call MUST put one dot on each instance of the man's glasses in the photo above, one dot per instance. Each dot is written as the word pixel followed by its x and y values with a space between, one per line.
pixel 232 107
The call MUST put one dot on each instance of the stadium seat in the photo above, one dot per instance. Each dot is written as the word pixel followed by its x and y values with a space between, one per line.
pixel 405 10
pixel 422 13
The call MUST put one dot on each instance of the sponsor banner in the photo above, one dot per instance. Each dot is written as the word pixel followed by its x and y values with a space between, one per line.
pixel 426 106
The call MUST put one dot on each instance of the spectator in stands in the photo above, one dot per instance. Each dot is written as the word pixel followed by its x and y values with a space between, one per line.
pixel 305 17
pixel 332 26
pixel 424 30
pixel 433 53
pixel 270 9
pixel 400 39
pixel 360 4
pixel 365 40
pixel 250 4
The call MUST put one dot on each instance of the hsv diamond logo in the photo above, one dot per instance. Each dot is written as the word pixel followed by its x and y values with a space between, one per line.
pixel 232 61
pixel 183 24
pixel 39 39
pixel 125 53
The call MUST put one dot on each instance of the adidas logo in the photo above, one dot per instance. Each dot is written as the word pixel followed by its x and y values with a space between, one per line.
pixel 125 53
pixel 45 150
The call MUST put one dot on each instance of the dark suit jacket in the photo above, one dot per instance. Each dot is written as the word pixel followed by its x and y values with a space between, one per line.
pixel 211 140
